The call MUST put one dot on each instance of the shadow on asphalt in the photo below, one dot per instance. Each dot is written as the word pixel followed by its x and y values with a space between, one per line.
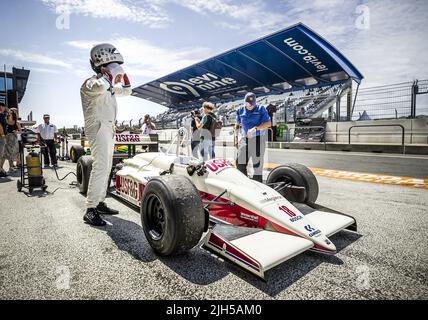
pixel 129 237
pixel 200 267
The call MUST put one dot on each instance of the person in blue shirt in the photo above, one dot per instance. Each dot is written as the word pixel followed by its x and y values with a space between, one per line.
pixel 254 121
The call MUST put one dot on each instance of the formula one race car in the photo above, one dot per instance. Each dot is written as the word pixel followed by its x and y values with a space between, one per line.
pixel 256 226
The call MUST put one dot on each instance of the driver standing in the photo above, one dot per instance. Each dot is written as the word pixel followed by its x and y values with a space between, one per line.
pixel 98 95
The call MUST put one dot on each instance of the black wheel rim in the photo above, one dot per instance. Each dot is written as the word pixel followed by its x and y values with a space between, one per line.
pixel 283 179
pixel 155 218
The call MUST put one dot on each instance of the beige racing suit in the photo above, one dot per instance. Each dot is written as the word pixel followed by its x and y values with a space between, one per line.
pixel 99 110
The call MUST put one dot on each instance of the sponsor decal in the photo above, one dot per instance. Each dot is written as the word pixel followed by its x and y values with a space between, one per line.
pixel 294 217
pixel 272 199
pixel 218 165
pixel 130 188
pixel 249 217
pixel 312 231
pixel 127 138
pixel 192 86
pixel 308 57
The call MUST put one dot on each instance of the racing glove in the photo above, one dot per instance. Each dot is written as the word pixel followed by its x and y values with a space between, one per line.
pixel 126 82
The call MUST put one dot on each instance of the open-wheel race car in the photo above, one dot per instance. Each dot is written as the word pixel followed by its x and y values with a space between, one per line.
pixel 185 202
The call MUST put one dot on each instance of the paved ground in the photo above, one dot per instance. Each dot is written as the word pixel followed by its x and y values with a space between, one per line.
pixel 46 251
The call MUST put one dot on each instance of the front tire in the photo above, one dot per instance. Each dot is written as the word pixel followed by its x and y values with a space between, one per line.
pixel 83 173
pixel 172 215
pixel 298 175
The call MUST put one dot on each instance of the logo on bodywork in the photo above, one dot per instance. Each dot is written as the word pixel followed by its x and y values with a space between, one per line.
pixel 249 217
pixel 294 217
pixel 312 231
pixel 218 165
pixel 129 188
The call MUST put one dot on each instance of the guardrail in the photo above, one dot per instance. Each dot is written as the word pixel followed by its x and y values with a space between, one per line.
pixel 380 125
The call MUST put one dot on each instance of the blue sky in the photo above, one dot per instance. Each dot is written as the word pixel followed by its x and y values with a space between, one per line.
pixel 385 39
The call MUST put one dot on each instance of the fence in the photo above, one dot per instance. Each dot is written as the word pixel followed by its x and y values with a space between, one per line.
pixel 402 100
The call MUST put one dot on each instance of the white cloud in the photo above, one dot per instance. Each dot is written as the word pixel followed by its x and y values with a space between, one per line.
pixel 146 12
pixel 253 16
pixel 45 70
pixel 147 60
pixel 35 58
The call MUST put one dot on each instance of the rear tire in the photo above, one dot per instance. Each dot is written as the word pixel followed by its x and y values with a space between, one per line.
pixel 172 215
pixel 76 152
pixel 83 172
pixel 299 175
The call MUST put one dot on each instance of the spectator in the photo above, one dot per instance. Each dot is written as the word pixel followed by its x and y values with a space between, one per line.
pixel 271 109
pixel 2 137
pixel 13 128
pixel 254 120
pixel 207 124
pixel 148 126
pixel 48 134
pixel 18 158
pixel 195 133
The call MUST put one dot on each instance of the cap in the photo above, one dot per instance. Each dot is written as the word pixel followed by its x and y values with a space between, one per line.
pixel 250 98
pixel 46 116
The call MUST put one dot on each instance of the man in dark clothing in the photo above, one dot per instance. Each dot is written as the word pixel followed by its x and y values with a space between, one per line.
pixel 255 121
pixel 207 133
pixel 271 109
pixel 195 133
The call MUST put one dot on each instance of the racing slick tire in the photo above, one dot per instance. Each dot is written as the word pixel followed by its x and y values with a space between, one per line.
pixel 172 215
pixel 299 175
pixel 83 172
pixel 76 152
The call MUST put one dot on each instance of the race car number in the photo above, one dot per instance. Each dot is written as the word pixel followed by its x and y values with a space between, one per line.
pixel 218 165
pixel 127 138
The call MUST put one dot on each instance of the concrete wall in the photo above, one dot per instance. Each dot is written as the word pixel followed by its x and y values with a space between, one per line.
pixel 416 132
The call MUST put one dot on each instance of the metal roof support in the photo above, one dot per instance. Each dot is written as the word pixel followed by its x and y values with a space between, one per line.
pixel 270 70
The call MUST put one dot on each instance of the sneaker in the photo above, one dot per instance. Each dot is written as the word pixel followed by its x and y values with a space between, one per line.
pixel 103 209
pixel 92 217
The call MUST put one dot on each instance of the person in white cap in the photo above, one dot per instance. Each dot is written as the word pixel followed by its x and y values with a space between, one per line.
pixel 48 134
pixel 98 95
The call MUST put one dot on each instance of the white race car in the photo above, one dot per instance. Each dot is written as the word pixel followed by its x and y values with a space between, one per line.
pixel 184 202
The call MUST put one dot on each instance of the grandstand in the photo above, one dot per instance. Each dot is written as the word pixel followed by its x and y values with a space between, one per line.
pixel 382 102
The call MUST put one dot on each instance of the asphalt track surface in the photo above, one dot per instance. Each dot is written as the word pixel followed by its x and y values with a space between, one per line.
pixel 47 252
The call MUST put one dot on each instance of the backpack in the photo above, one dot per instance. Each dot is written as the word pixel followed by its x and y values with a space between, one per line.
pixel 216 125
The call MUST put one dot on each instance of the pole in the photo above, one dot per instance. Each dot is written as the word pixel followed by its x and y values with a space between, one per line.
pixel 5 88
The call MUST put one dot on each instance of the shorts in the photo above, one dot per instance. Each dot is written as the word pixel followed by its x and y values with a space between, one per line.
pixel 11 147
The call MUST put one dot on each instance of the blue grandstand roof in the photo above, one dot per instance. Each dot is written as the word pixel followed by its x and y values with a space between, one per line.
pixel 294 58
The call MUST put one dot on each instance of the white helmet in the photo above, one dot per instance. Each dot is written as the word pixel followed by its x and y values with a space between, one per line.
pixel 103 54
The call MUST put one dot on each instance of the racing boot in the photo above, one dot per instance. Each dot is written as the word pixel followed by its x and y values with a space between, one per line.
pixel 92 217
pixel 103 209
